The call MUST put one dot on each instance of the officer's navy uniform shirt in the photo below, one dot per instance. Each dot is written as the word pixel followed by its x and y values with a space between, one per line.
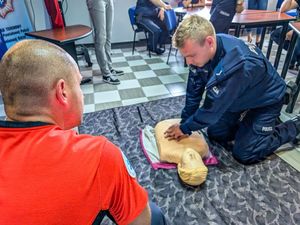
pixel 237 79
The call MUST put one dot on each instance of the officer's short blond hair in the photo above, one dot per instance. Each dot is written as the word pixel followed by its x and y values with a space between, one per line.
pixel 193 27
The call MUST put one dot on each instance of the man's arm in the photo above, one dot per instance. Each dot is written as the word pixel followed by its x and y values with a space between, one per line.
pixel 160 4
pixel 144 218
pixel 288 5
pixel 120 192
pixel 194 92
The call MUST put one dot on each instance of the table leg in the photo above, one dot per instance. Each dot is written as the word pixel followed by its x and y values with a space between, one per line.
pixel 71 49
pixel 237 31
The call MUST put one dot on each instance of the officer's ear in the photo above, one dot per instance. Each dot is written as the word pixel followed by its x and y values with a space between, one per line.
pixel 210 41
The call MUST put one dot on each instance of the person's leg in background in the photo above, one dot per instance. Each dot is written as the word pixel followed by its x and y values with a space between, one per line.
pixel 164 34
pixel 154 32
pixel 109 24
pixel 295 60
pixel 261 5
pixel 275 36
pixel 252 4
pixel 97 10
pixel 157 217
pixel 222 12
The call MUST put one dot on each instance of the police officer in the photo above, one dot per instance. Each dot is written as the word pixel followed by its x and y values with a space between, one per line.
pixel 244 93
pixel 150 15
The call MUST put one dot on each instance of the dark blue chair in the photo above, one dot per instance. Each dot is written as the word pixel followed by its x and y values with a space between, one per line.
pixel 136 29
pixel 171 24
pixel 3 47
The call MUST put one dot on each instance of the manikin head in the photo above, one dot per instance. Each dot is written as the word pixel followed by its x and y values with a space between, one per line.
pixel 191 169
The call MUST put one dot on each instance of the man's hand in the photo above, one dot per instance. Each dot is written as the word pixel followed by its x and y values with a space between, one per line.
pixel 288 35
pixel 161 14
pixel 239 6
pixel 174 133
pixel 167 7
pixel 187 3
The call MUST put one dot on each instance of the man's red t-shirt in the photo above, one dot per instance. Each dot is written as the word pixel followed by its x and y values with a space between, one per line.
pixel 53 176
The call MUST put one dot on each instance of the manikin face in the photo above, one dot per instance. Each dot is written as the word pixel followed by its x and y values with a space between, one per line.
pixel 191 159
pixel 196 54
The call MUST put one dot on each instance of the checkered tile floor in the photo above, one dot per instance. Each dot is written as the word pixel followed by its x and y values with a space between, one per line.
pixel 145 78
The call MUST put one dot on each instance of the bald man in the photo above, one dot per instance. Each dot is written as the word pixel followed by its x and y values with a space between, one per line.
pixel 49 173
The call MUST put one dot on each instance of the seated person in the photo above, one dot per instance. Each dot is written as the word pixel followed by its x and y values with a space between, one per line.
pixel 191 3
pixel 49 173
pixel 276 34
pixel 150 15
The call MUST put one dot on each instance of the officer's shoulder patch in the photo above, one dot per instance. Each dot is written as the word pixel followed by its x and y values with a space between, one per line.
pixel 129 168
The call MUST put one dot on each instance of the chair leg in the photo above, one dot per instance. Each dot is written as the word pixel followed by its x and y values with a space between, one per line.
pixel 86 55
pixel 149 53
pixel 133 44
pixel 170 49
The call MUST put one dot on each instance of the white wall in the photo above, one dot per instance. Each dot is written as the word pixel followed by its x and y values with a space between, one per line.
pixel 77 13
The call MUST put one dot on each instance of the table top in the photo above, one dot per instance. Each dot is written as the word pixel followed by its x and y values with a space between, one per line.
pixel 296 27
pixel 62 35
pixel 248 16
pixel 261 18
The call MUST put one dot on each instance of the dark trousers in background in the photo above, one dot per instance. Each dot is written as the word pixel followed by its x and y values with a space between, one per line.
pixel 157 217
pixel 222 12
pixel 255 135
pixel 275 36
pixel 260 5
pixel 157 31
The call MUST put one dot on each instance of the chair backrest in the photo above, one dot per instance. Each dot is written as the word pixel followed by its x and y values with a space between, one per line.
pixel 3 47
pixel 131 13
pixel 170 20
pixel 292 12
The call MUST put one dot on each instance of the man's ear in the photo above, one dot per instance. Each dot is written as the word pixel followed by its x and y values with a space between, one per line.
pixel 210 40
pixel 60 92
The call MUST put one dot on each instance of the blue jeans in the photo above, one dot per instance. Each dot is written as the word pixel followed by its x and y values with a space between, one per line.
pixel 255 136
pixel 156 29
pixel 257 4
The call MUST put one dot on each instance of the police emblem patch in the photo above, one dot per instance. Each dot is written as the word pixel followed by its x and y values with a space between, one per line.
pixel 6 7
pixel 128 166
pixel 216 89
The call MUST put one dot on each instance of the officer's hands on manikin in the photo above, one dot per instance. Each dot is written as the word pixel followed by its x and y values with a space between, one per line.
pixel 174 133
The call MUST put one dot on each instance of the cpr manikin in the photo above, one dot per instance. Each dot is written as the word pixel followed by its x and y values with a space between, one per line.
pixel 186 153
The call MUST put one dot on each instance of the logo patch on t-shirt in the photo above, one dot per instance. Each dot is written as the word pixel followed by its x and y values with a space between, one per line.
pixel 129 168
